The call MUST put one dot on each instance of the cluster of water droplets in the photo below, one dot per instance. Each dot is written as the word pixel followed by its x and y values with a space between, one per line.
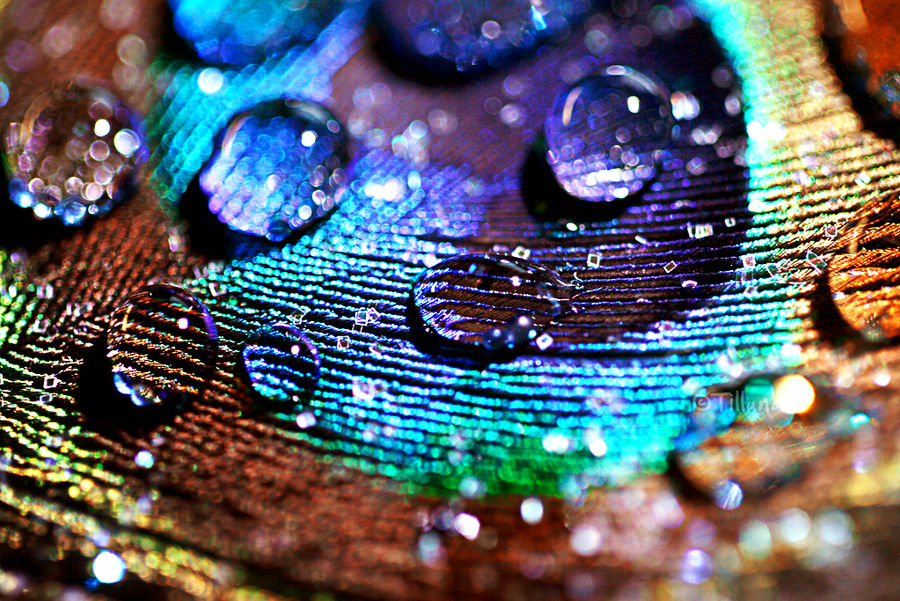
pixel 281 166
pixel 162 346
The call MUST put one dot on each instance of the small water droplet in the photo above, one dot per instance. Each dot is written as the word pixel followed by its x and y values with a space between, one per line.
pixel 793 526
pixel 443 40
pixel 471 487
pixel 238 32
pixel 58 165
pixel 154 361
pixel 685 106
pixel 727 495
pixel 498 301
pixel 605 135
pixel 4 90
pixel 276 169
pixel 281 362
pixel 861 276
pixel 755 540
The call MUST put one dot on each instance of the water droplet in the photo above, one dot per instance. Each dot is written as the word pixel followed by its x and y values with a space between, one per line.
pixel 430 549
pixel 276 168
pixel 281 362
pixel 471 488
pixel 238 32
pixel 835 527
pixel 754 457
pixel 558 443
pixel 59 163
pixel 605 135
pixel 462 39
pixel 4 90
pixel 685 106
pixel 154 361
pixel 793 394
pixel 727 494
pixel 750 437
pixel 861 277
pixel 497 301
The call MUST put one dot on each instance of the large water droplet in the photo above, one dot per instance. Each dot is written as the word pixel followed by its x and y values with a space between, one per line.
pixel 605 135
pixel 755 457
pixel 775 427
pixel 281 362
pixel 249 31
pixel 864 276
pixel 276 168
pixel 498 301
pixel 161 344
pixel 468 37
pixel 75 153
